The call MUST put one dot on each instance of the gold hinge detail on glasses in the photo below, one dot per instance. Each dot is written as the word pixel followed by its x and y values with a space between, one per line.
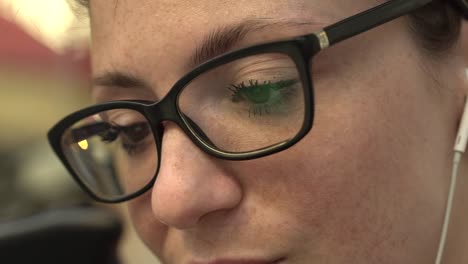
pixel 323 38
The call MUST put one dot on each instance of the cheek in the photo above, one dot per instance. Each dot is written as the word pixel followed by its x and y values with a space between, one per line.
pixel 384 180
pixel 370 171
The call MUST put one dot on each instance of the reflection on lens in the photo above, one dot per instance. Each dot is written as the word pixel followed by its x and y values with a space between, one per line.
pixel 113 152
pixel 83 144
pixel 246 105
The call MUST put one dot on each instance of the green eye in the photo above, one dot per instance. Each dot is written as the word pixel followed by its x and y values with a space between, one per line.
pixel 257 94
pixel 262 97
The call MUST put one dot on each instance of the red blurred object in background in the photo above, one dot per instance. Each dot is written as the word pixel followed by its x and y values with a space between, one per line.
pixel 19 49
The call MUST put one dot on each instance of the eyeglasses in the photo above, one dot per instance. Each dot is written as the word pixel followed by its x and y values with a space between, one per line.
pixel 229 110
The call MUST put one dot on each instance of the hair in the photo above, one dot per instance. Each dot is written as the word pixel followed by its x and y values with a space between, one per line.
pixel 436 27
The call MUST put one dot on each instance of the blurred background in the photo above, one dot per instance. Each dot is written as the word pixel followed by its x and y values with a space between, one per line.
pixel 44 75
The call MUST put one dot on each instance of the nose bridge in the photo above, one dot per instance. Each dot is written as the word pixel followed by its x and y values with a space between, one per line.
pixel 164 110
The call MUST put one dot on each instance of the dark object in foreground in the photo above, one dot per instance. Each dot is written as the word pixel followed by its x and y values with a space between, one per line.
pixel 78 235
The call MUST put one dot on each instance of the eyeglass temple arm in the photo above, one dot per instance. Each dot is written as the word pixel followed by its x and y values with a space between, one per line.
pixel 367 20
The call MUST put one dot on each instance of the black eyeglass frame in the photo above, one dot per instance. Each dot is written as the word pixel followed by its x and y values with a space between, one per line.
pixel 300 49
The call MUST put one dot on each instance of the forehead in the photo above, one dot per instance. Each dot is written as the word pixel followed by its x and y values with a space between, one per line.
pixel 163 19
pixel 165 12
pixel 147 37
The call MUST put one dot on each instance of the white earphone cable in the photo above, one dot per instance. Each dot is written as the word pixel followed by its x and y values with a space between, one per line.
pixel 461 142
pixel 448 208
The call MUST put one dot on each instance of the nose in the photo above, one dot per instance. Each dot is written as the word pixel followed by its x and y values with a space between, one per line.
pixel 190 183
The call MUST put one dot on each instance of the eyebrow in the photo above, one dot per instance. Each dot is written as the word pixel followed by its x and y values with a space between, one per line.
pixel 120 79
pixel 222 39
pixel 217 42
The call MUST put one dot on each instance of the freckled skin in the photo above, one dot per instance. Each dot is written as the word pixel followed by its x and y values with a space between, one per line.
pixel 367 185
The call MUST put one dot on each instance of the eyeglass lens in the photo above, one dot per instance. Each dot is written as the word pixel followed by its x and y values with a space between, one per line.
pixel 246 105
pixel 113 152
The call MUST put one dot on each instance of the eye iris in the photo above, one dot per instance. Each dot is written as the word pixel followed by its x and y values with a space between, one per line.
pixel 258 95
pixel 267 97
pixel 136 132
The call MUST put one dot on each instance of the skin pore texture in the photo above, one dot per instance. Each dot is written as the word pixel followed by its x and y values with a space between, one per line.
pixel 368 184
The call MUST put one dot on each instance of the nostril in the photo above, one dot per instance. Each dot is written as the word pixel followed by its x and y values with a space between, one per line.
pixel 176 217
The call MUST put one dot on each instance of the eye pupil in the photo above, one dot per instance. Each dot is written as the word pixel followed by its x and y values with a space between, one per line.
pixel 136 132
pixel 258 94
pixel 110 134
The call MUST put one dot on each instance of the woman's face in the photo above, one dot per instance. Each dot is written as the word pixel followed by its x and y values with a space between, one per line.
pixel 366 185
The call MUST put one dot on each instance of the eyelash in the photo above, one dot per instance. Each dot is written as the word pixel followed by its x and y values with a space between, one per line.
pixel 130 148
pixel 133 149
